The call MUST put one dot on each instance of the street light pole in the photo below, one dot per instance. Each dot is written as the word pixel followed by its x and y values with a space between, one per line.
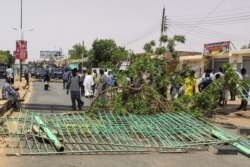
pixel 82 53
pixel 21 28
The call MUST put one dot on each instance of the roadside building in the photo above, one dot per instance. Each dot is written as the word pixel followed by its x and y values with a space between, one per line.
pixel 216 56
pixel 185 59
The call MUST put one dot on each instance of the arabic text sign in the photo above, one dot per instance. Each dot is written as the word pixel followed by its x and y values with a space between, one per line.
pixel 214 48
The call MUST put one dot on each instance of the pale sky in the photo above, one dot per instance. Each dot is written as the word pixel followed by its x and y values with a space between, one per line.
pixel 131 23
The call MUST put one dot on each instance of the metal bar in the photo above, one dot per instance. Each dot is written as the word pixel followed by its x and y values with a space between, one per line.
pixel 50 134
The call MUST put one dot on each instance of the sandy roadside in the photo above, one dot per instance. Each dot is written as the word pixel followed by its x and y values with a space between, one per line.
pixel 229 117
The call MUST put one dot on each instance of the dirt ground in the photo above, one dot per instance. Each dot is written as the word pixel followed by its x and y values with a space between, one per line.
pixel 230 118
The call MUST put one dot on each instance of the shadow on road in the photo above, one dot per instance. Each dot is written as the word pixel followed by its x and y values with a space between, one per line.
pixel 47 108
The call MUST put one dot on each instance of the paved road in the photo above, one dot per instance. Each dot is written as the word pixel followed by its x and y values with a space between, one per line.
pixel 197 159
pixel 53 101
pixel 56 100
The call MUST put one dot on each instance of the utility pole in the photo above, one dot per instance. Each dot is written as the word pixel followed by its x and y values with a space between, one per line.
pixel 163 23
pixel 21 28
pixel 82 53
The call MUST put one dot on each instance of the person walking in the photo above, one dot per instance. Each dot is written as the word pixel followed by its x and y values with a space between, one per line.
pixel 244 99
pixel 206 80
pixel 74 87
pixel 102 85
pixel 10 74
pixel 111 83
pixel 81 82
pixel 94 75
pixel 46 80
pixel 88 84
pixel 189 83
pixel 26 76
pixel 66 76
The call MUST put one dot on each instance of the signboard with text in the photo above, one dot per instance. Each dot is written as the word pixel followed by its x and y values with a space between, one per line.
pixel 50 54
pixel 21 50
pixel 215 48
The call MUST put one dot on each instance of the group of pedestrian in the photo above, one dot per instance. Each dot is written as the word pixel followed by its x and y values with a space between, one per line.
pixel 209 77
pixel 86 84
pixel 181 84
pixel 188 85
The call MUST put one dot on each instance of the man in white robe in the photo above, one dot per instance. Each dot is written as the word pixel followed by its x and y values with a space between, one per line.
pixel 88 85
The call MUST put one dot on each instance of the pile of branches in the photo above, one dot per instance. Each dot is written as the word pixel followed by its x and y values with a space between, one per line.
pixel 129 99
pixel 150 97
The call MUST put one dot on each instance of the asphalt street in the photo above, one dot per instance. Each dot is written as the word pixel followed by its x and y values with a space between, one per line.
pixel 55 100
pixel 192 159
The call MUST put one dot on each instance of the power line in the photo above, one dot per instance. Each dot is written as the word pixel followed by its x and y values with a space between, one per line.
pixel 194 50
pixel 202 14
pixel 222 22
pixel 204 19
pixel 141 36
pixel 140 32
pixel 223 18
pixel 217 33
pixel 212 36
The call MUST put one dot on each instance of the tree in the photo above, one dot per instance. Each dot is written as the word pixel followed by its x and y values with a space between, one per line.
pixel 103 50
pixel 148 47
pixel 6 57
pixel 76 51
pixel 168 45
pixel 119 54
pixel 106 51
pixel 3 59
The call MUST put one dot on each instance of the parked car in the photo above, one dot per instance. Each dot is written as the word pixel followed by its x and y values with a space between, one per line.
pixel 57 73
pixel 40 73
pixel 32 72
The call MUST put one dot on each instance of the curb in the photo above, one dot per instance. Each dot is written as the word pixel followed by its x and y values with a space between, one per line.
pixel 6 108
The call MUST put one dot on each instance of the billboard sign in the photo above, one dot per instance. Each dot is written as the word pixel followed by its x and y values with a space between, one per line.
pixel 215 48
pixel 50 54
pixel 21 50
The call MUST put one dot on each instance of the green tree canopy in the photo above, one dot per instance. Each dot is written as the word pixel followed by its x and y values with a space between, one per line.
pixel 103 50
pixel 148 47
pixel 168 44
pixel 6 57
pixel 3 59
pixel 106 50
pixel 76 51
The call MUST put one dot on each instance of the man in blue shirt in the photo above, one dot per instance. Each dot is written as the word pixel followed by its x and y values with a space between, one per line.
pixel 9 92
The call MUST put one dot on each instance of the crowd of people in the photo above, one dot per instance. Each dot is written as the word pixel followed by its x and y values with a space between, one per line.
pixel 86 84
pixel 90 83
pixel 188 87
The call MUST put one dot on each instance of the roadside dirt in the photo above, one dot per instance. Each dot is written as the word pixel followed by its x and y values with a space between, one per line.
pixel 230 118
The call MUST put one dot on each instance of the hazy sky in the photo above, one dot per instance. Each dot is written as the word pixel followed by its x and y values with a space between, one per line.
pixel 131 23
